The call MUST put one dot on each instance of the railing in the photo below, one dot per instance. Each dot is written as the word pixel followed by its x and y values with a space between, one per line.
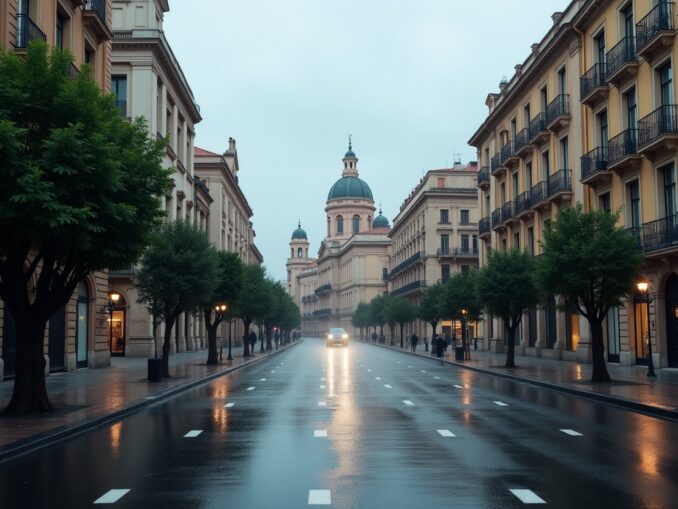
pixel 122 106
pixel 522 139
pixel 98 6
pixel 484 226
pixel 523 202
pixel 127 271
pixel 507 152
pixel 322 312
pixel 538 193
pixel 657 20
pixel 507 211
pixel 621 53
pixel 660 234
pixel 415 285
pixel 495 162
pixel 595 77
pixel 323 289
pixel 559 107
pixel 537 125
pixel 622 145
pixel 559 182
pixel 663 120
pixel 483 175
pixel 496 217
pixel 407 263
pixel 637 233
pixel 458 251
pixel 27 31
pixel 593 162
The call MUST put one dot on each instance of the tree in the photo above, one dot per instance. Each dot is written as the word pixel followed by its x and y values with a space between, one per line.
pixel 376 314
pixel 592 264
pixel 390 315
pixel 276 313
pixel 506 288
pixel 177 271
pixel 361 318
pixel 404 312
pixel 429 308
pixel 79 191
pixel 291 317
pixel 254 301
pixel 228 283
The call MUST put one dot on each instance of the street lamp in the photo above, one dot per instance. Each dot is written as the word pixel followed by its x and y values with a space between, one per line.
pixel 220 308
pixel 113 299
pixel 464 333
pixel 643 289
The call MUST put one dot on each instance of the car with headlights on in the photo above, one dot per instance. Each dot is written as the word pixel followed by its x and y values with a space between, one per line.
pixel 337 336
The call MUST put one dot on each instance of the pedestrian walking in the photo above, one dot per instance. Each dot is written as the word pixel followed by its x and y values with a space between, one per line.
pixel 425 344
pixel 413 341
pixel 441 344
pixel 253 341
pixel 276 338
pixel 374 336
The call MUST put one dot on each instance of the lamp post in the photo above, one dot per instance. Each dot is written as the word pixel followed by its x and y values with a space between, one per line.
pixel 113 299
pixel 220 308
pixel 643 289
pixel 230 357
pixel 464 338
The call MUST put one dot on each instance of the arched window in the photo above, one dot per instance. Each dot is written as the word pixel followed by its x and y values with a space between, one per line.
pixel 82 326
pixel 340 225
pixel 291 252
pixel 356 224
pixel 299 252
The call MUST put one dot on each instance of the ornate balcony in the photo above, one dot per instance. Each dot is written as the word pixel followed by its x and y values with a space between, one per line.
pixel 539 195
pixel 524 204
pixel 495 165
pixel 415 286
pixel 622 61
pixel 94 15
pixel 558 113
pixel 27 31
pixel 560 185
pixel 484 227
pixel 594 166
pixel 322 313
pixel 538 130
pixel 508 155
pixel 406 264
pixel 660 235
pixel 622 151
pixel 457 252
pixel 658 131
pixel 496 219
pixel 593 86
pixel 327 288
pixel 655 31
pixel 508 212
pixel 522 142
pixel 484 178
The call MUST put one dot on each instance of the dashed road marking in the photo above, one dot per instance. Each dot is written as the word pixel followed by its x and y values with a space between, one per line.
pixel 388 386
pixel 319 497
pixel 459 386
pixel 369 371
pixel 262 379
pixel 322 403
pixel 445 432
pixel 572 432
pixel 250 388
pixel 193 433
pixel 229 405
pixel 409 366
pixel 437 377
pixel 377 378
pixel 320 433
pixel 423 370
pixel 500 403
pixel 408 402
pixel 527 496
pixel 111 496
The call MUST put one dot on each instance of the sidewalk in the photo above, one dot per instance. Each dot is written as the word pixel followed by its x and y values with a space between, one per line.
pixel 90 397
pixel 629 388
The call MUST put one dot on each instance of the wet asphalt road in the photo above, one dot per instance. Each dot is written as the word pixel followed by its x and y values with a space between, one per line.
pixel 401 432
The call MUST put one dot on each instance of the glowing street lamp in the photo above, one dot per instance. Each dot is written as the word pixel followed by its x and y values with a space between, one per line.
pixel 221 308
pixel 113 299
pixel 643 287
pixel 464 334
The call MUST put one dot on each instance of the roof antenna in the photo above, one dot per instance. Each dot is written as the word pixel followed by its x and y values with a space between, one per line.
pixel 299 222
pixel 349 142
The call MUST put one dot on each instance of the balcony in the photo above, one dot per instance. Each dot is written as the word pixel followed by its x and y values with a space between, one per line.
pixel 622 151
pixel 622 61
pixel 495 165
pixel 560 185
pixel 524 204
pixel 406 264
pixel 655 31
pixel 538 130
pixel 322 313
pixel 94 16
pixel 484 227
pixel 27 31
pixel 539 195
pixel 661 234
pixel 659 130
pixel 496 219
pixel 508 155
pixel 457 252
pixel 508 212
pixel 409 288
pixel 127 272
pixel 593 86
pixel 522 142
pixel 594 166
pixel 558 113
pixel 327 288
pixel 484 178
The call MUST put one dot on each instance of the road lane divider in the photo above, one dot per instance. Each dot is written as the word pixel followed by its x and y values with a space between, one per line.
pixel 111 496
pixel 320 433
pixel 500 403
pixel 408 402
pixel 527 496
pixel 193 433
pixel 572 432
pixel 229 405
pixel 445 433
pixel 319 497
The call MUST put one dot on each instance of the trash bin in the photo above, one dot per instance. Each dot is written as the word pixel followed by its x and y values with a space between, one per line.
pixel 155 369
pixel 458 353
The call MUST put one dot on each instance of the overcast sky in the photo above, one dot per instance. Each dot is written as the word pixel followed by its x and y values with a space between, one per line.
pixel 289 80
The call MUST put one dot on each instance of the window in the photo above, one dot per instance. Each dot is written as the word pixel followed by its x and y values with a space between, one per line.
pixel 464 217
pixel 356 224
pixel 565 152
pixel 444 244
pixel 82 326
pixel 475 243
pixel 545 165
pixel 444 273
pixel 528 175
pixel 599 46
pixel 514 184
pixel 444 216
pixel 631 109
pixel 300 253
pixel 530 239
pixel 169 131
pixel 516 240
pixel 633 197
pixel 514 128
pixel 503 245
pixel 562 81
pixel 601 120
pixel 465 244
pixel 604 202
pixel 119 89
pixel 340 225
pixel 665 84
pixel 668 176
pixel 441 182
pixel 502 193
pixel 526 115
pixel 627 20
pixel 543 97
pixel 60 26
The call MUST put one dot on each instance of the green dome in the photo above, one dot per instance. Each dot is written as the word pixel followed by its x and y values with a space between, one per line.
pixel 380 222
pixel 350 187
pixel 299 233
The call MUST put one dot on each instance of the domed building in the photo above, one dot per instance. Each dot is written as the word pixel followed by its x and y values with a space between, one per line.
pixel 352 259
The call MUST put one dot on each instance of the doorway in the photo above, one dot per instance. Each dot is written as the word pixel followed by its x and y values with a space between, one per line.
pixel 672 321
pixel 57 340
pixel 117 330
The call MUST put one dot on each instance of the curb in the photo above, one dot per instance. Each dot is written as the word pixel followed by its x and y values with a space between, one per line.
pixel 643 408
pixel 30 444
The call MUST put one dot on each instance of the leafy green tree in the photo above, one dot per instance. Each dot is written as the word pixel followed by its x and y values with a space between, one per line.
pixel 177 270
pixel 228 283
pixel 377 312
pixel 506 288
pixel 277 311
pixel 254 301
pixel 592 264
pixel 291 318
pixel 390 315
pixel 430 306
pixel 79 192
pixel 361 317
pixel 404 312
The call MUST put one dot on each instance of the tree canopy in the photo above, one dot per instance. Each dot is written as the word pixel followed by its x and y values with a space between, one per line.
pixel 255 299
pixel 430 308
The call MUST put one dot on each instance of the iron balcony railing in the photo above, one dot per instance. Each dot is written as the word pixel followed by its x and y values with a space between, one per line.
pixel 507 152
pixel 483 175
pixel 623 52
pixel 660 234
pixel 559 107
pixel 657 20
pixel 496 217
pixel 637 233
pixel 623 145
pixel 407 263
pixel 508 210
pixel 595 77
pixel 322 312
pixel 538 125
pixel 27 31
pixel 522 139
pixel 663 120
pixel 559 182
pixel 484 226
pixel 495 162
pixel 323 289
pixel 458 251
pixel 593 162
pixel 523 202
pixel 98 6
pixel 415 285
pixel 538 193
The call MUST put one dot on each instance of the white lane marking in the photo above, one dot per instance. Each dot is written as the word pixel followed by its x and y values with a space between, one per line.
pixel 320 433
pixel 262 379
pixel 445 432
pixel 229 405
pixel 423 370
pixel 500 403
pixel 459 386
pixel 273 371
pixel 377 378
pixel 193 433
pixel 323 386
pixel 527 496
pixel 319 497
pixel 437 377
pixel 572 432
pixel 322 403
pixel 408 402
pixel 369 371
pixel 388 386
pixel 111 496
pixel 250 388
pixel 409 366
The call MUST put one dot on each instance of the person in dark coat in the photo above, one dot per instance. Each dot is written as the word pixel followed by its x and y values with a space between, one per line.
pixel 374 337
pixel 440 349
pixel 276 338
pixel 253 341
pixel 413 341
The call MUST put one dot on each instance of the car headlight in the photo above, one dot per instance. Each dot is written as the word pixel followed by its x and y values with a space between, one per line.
pixel 329 336
pixel 345 336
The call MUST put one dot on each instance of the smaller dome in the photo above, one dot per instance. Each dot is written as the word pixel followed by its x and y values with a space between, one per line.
pixel 299 233
pixel 350 155
pixel 380 222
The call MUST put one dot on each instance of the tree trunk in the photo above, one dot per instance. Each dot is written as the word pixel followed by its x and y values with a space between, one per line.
pixel 246 337
pixel 391 328
pixel 29 395
pixel 261 340
pixel 166 346
pixel 434 326
pixel 212 354
pixel 402 340
pixel 269 345
pixel 599 373
pixel 510 351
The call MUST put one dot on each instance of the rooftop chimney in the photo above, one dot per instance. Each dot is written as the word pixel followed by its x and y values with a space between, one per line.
pixel 503 84
pixel 556 17
pixel 231 144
